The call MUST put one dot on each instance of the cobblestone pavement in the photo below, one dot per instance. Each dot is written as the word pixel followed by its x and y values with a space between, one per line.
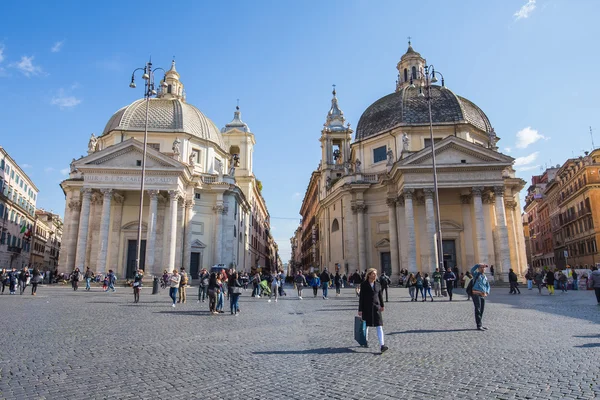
pixel 81 345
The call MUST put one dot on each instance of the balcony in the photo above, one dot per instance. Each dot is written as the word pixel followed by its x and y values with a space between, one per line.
pixel 14 249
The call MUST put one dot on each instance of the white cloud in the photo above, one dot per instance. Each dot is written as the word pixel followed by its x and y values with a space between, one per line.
pixel 508 149
pixel 65 171
pixel 26 66
pixel 296 195
pixel 49 169
pixel 1 52
pixel 527 136
pixel 63 100
pixel 521 161
pixel 57 46
pixel 525 10
pixel 529 168
pixel 26 166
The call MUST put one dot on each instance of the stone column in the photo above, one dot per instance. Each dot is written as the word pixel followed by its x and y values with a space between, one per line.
pixel 73 223
pixel 479 225
pixel 116 246
pixel 219 211
pixel 360 210
pixel 187 247
pixel 467 220
pixel 502 232
pixel 409 220
pixel 82 232
pixel 171 232
pixel 430 220
pixel 393 236
pixel 151 233
pixel 104 228
pixel 402 261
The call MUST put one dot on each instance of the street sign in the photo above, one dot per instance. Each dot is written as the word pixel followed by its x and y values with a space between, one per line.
pixel 566 254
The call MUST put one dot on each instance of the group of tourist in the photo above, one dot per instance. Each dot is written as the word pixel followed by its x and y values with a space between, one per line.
pixel 20 280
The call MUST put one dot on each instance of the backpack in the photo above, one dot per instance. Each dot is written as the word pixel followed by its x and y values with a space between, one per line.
pixel 419 282
pixel 469 288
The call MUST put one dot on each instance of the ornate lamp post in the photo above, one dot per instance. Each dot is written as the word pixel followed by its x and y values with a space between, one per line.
pixel 149 91
pixel 430 77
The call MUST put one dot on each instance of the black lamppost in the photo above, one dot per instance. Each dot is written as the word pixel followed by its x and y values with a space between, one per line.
pixel 149 92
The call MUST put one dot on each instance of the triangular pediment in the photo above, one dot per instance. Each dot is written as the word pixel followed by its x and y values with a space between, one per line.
pixel 453 150
pixel 197 244
pixel 382 243
pixel 128 154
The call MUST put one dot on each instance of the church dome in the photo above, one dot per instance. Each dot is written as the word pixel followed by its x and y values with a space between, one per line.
pixel 406 107
pixel 165 115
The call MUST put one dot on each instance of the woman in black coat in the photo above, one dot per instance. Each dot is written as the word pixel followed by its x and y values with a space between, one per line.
pixel 370 305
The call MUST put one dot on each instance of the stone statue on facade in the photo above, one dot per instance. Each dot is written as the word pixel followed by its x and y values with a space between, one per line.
pixel 357 165
pixel 72 166
pixel 328 182
pixel 192 158
pixel 218 166
pixel 493 140
pixel 405 142
pixel 390 156
pixel 234 161
pixel 92 144
pixel 177 147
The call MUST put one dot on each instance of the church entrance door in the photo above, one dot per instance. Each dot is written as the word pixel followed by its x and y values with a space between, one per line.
pixel 195 262
pixel 449 247
pixel 386 263
pixel 131 253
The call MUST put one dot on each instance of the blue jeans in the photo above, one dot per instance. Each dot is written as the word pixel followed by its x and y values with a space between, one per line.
pixel 234 302
pixel 575 285
pixel 427 291
pixel 111 286
pixel 220 302
pixel 325 288
pixel 173 294
pixel 87 283
pixel 529 284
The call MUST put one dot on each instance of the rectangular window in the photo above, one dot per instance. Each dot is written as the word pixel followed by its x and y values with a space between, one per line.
pixel 427 142
pixel 197 196
pixel 155 146
pixel 379 154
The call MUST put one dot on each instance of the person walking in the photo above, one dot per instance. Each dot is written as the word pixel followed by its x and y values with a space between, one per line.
pixel 235 291
pixel 137 285
pixel 325 279
pixel 36 279
pixel 370 306
pixel 575 284
pixel 385 282
pixel 562 281
pixel 13 277
pixel 449 277
pixel 427 287
pixel 24 277
pixel 437 283
pixel 183 281
pixel 513 282
pixel 481 289
pixel 418 286
pixel 538 279
pixel 213 292
pixel 550 282
pixel 411 283
pixel 220 294
pixel 595 277
pixel 315 283
pixel 174 281
pixel 203 286
pixel 256 285
pixel 88 278
pixel 337 280
pixel 112 279
pixel 468 278
pixel 274 287
pixel 75 276
pixel 356 281
pixel 529 278
pixel 4 279
pixel 300 282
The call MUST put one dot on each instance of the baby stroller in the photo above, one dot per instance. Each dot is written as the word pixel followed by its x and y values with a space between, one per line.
pixel 264 287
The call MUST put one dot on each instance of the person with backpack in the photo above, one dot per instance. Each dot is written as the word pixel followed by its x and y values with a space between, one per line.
pixel 325 279
pixel 479 289
pixel 203 286
pixel 182 285
pixel 315 283
pixel 385 282
pixel 137 285
pixel 427 287
pixel 112 279
pixel 300 282
pixel 449 277
pixel 437 283
pixel 514 284
pixel 75 279
pixel 419 286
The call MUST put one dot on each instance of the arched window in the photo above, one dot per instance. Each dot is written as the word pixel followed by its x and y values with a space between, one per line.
pixel 335 226
pixel 414 72
pixel 405 75
pixel 169 89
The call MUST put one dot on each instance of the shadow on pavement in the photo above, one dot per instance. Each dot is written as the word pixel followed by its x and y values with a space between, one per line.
pixel 338 309
pixel 176 312
pixel 324 350
pixel 430 331
pixel 589 336
pixel 588 345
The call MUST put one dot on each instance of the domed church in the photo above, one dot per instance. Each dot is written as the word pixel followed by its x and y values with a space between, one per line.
pixel 376 193
pixel 202 203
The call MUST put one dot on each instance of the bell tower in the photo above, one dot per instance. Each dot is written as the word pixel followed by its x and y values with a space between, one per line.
pixel 410 68
pixel 239 141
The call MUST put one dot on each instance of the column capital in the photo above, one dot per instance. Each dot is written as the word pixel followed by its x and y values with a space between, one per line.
pixel 118 198
pixel 408 193
pixel 465 198
pixel 174 195
pixel 477 191
pixel 153 194
pixel 488 198
pixel 189 204
pixel 499 190
pixel 361 208
pixel 391 202
pixel 97 198
pixel 75 205
pixel 510 204
pixel 400 201
pixel 219 209
pixel 86 192
pixel 107 193
pixel 428 192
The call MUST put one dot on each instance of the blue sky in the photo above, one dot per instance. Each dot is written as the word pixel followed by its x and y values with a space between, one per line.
pixel 64 70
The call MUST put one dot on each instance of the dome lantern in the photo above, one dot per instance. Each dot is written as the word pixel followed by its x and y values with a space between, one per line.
pixel 335 117
pixel 410 68
pixel 173 88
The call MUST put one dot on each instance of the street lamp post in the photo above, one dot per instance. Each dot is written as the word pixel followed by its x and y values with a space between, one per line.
pixel 429 78
pixel 149 91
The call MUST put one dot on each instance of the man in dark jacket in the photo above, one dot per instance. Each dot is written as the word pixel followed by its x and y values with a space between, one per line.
pixel 203 286
pixel 13 277
pixel 512 280
pixel 449 277
pixel 550 282
pixel 384 280
pixel 356 281
pixel 325 279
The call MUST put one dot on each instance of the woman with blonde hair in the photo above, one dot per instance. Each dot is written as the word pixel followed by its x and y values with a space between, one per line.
pixel 370 306
pixel 411 283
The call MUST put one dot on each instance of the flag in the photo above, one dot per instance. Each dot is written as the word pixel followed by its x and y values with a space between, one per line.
pixel 28 233
pixel 23 228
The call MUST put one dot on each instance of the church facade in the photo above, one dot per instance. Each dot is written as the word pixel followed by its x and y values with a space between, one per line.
pixel 201 206
pixel 376 194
